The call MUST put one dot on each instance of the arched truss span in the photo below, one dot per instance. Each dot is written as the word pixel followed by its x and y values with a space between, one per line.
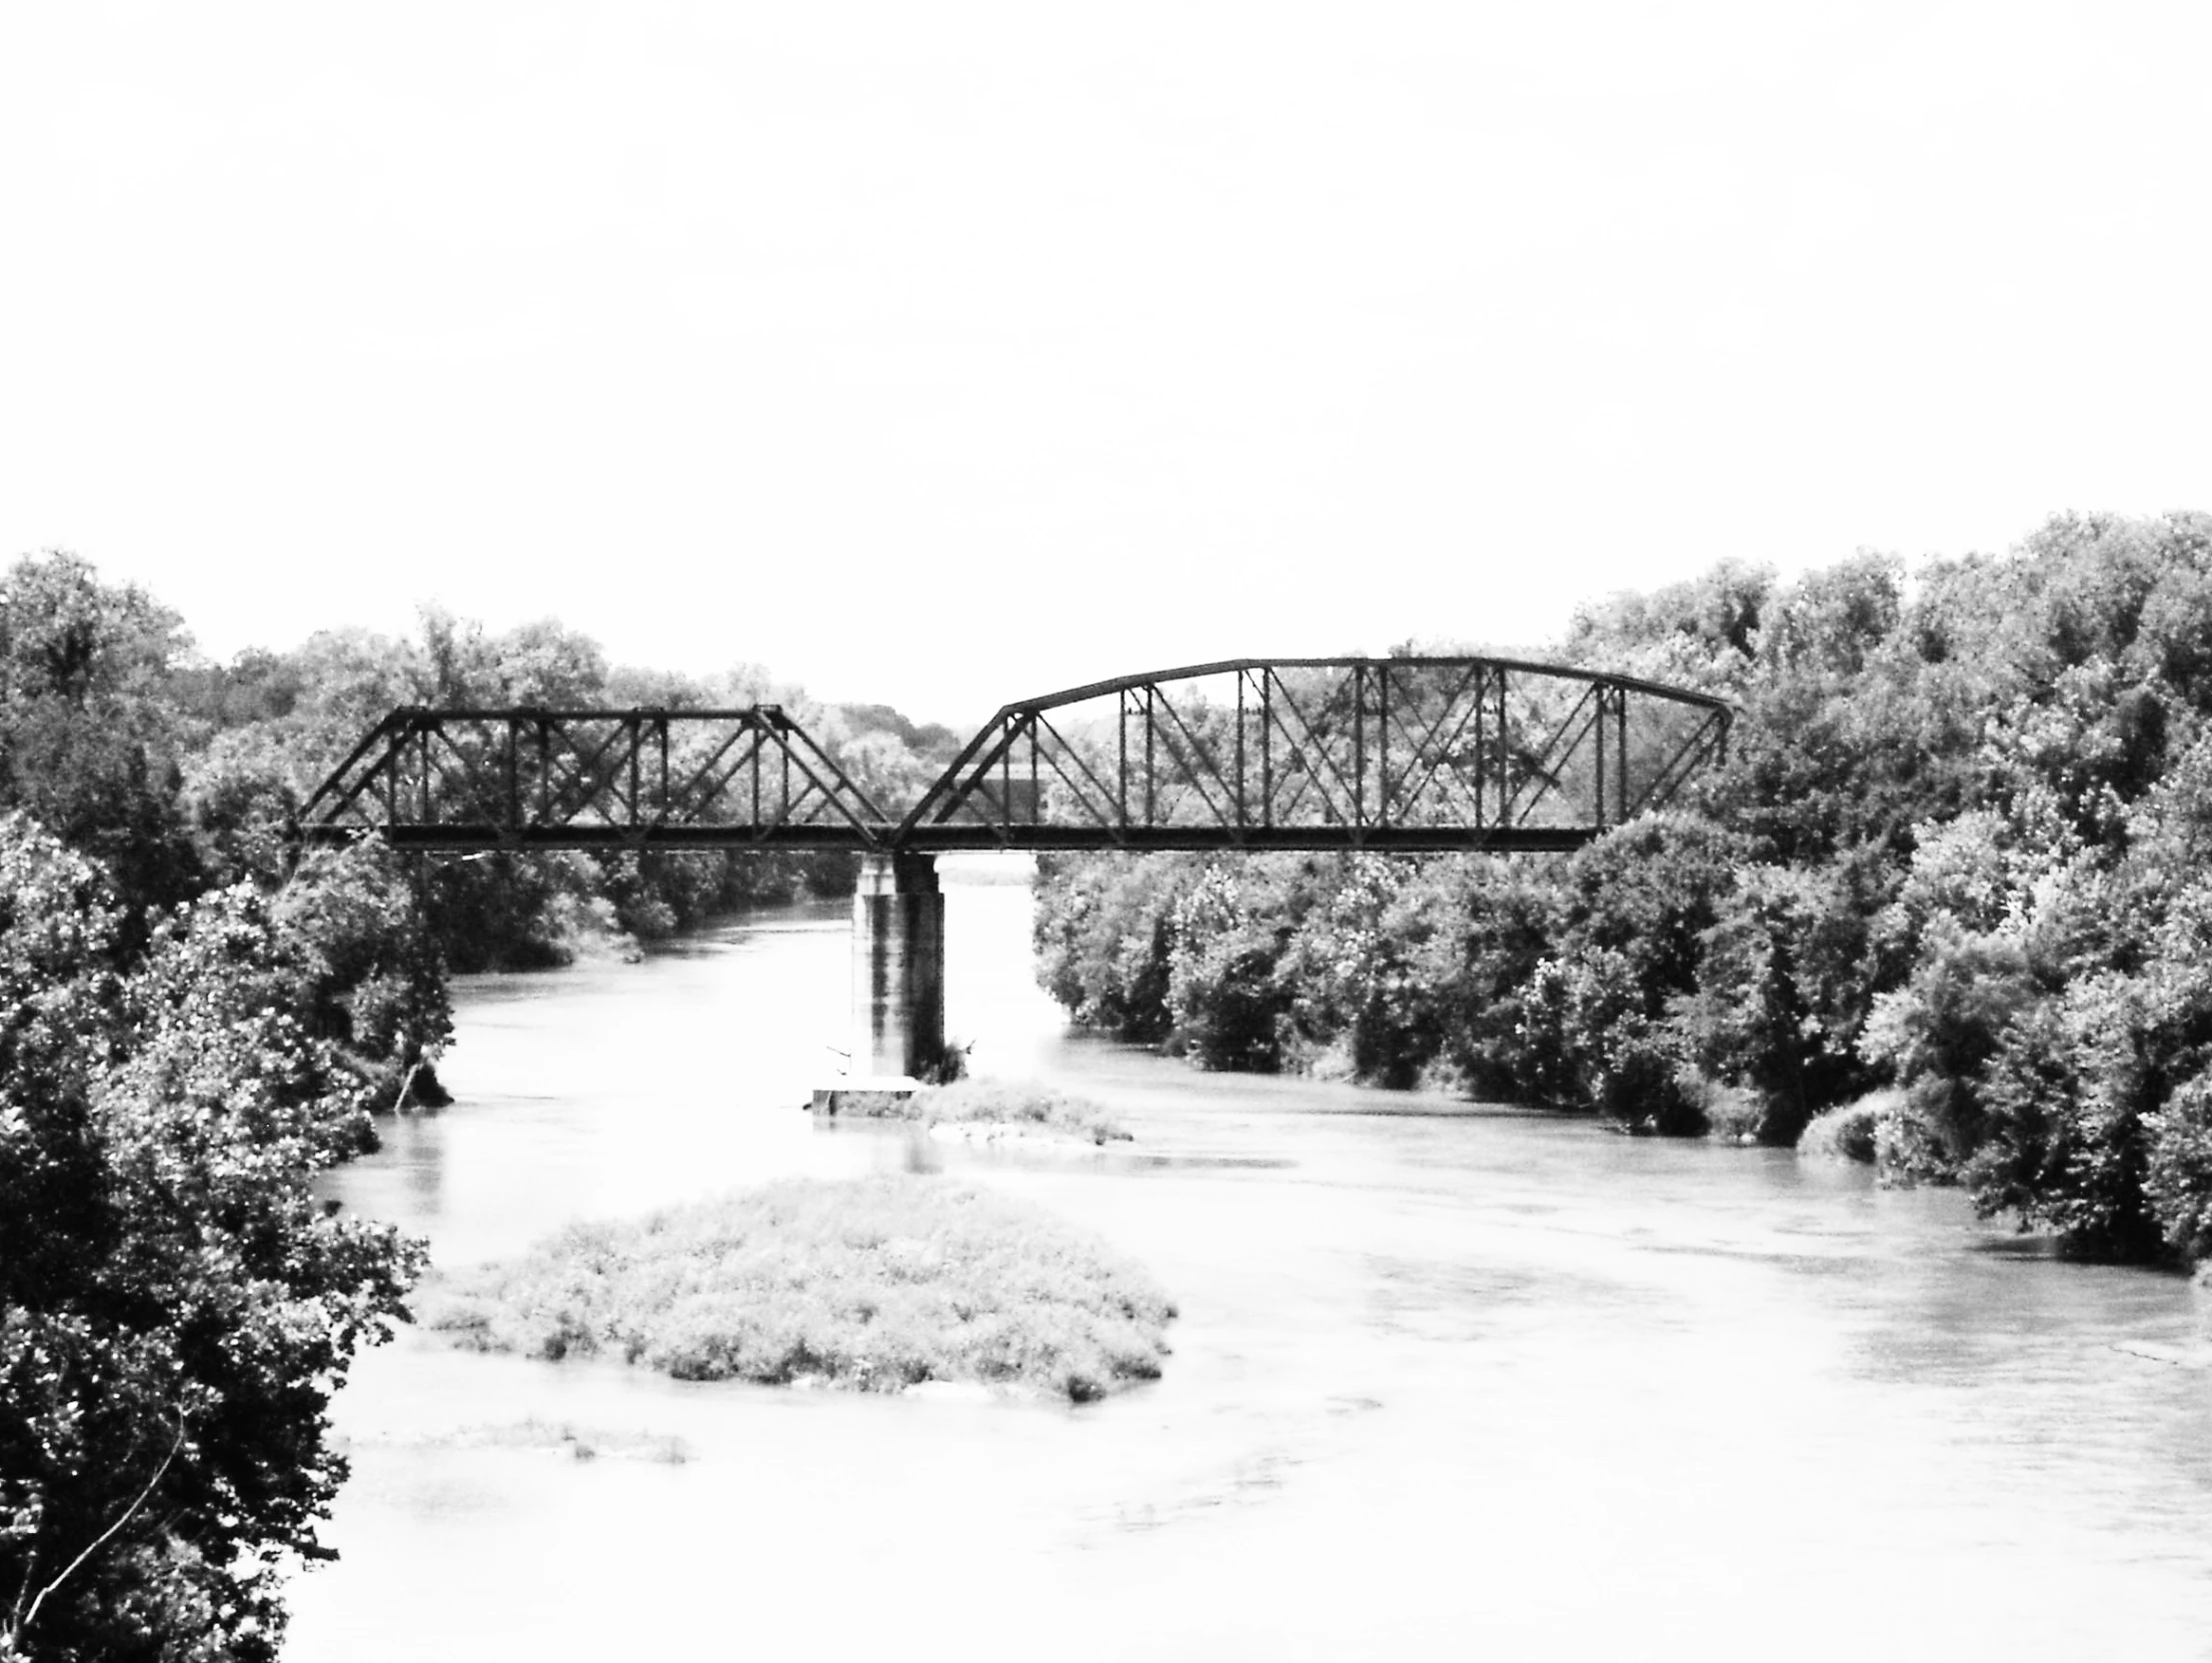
pixel 1384 754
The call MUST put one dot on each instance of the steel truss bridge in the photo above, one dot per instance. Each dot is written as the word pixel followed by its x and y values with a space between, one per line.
pixel 1398 755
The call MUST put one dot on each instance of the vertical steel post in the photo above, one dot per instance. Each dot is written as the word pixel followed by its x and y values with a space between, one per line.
pixel 1620 755
pixel 1152 722
pixel 1358 744
pixel 1505 760
pixel 1481 769
pixel 1382 744
pixel 1597 731
pixel 1121 781
pixel 1266 747
pixel 1243 817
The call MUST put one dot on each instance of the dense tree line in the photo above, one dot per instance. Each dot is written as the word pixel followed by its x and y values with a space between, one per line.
pixel 194 1022
pixel 280 723
pixel 1951 892
pixel 178 775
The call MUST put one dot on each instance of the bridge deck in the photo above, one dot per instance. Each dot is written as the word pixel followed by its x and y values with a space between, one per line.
pixel 1399 840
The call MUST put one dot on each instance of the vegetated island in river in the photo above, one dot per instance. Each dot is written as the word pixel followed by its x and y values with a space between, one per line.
pixel 871 1284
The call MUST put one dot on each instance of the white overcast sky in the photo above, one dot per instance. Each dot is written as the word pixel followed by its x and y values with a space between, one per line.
pixel 943 354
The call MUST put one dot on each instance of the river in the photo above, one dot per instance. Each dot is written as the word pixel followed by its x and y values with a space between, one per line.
pixel 1448 1381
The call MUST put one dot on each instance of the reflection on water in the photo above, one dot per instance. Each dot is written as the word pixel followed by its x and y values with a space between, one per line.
pixel 1448 1381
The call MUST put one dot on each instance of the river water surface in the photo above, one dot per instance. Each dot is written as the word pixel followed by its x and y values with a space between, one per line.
pixel 1448 1381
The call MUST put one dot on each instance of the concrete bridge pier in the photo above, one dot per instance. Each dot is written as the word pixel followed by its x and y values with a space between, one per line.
pixel 898 970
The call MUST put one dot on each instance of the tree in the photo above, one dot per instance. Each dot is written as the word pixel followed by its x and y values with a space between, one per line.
pixel 1228 934
pixel 90 740
pixel 1777 1006
pixel 176 1305
pixel 1102 932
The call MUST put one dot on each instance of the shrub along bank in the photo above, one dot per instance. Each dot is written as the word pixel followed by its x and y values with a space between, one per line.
pixel 1960 854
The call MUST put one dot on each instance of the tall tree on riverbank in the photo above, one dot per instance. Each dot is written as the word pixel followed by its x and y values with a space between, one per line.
pixel 90 742
pixel 176 1306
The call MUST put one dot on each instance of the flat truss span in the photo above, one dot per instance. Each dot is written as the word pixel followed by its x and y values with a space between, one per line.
pixel 1387 754
pixel 1397 753
pixel 748 778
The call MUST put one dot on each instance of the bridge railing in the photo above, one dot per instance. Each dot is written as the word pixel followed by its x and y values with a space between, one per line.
pixel 1403 752
pixel 527 778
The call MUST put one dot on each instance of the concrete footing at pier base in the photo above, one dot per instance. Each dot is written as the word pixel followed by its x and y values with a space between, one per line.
pixel 897 973
pixel 862 1097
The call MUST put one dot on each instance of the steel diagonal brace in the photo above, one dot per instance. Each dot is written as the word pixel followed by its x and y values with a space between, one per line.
pixel 784 734
pixel 616 753
pixel 1687 756
pixel 1100 818
pixel 474 753
pixel 1451 772
pixel 862 810
pixel 437 776
pixel 944 785
pixel 1191 774
pixel 1340 703
pixel 1017 721
pixel 386 730
pixel 1320 745
pixel 397 731
pixel 788 816
pixel 746 728
pixel 582 774
pixel 1427 746
pixel 1541 767
pixel 605 767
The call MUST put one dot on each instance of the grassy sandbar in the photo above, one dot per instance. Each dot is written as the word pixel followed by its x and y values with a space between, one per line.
pixel 871 1284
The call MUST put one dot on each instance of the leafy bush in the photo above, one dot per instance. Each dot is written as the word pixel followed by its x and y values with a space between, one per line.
pixel 2179 1182
pixel 1231 931
pixel 2063 1142
pixel 1734 1113
pixel 1783 982
pixel 1847 1132
pixel 1103 931
pixel 1940 1030
pixel 873 1285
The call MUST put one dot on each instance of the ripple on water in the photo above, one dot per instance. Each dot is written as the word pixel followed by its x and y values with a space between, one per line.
pixel 1446 1383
